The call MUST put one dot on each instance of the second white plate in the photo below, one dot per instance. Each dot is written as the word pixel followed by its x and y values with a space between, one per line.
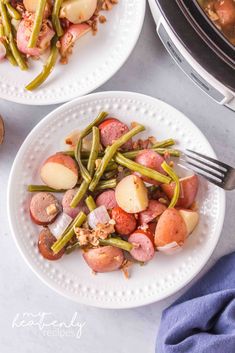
pixel 95 59
pixel 70 276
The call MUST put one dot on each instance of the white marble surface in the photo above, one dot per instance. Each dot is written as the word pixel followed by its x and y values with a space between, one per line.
pixel 149 70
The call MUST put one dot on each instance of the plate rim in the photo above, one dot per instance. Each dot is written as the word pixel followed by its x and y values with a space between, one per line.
pixel 108 304
pixel 38 102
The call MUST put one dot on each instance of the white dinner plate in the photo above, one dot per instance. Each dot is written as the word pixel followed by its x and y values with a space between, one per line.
pixel 95 59
pixel 70 276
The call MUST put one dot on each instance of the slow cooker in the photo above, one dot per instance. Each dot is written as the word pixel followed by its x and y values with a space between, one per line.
pixel 198 47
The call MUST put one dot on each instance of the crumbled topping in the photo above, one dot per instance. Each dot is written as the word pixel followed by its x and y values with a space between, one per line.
pixel 88 236
pixel 125 268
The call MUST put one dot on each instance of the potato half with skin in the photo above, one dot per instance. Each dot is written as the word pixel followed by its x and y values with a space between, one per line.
pixel 78 11
pixel 131 194
pixel 191 219
pixel 59 171
pixel 104 259
pixel 171 227
pixel 31 6
pixel 188 191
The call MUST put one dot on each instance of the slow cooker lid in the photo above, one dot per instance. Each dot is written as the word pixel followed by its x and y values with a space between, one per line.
pixel 195 45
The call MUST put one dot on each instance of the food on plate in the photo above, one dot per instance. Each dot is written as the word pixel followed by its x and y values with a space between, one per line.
pixel 44 208
pixel 188 190
pixel 34 28
pixel 113 216
pixel 104 259
pixel 222 14
pixel 59 172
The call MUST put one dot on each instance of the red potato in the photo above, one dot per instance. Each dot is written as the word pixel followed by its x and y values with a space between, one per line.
pixel 125 223
pixel 131 194
pixel 225 9
pixel 155 209
pixel 59 171
pixel 31 6
pixel 150 159
pixel 44 208
pixel 188 191
pixel 191 219
pixel 112 129
pixel 171 227
pixel 45 242
pixel 66 201
pixel 143 245
pixel 78 11
pixel 107 199
pixel 72 34
pixel 104 259
pixel 23 35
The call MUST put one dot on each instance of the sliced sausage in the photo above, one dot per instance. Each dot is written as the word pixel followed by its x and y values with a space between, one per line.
pixel 45 242
pixel 125 223
pixel 44 208
pixel 150 159
pixel 104 259
pixel 112 129
pixel 66 201
pixel 171 227
pixel 107 199
pixel 143 245
pixel 155 209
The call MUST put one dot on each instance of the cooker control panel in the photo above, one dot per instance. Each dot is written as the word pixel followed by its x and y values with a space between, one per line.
pixel 186 67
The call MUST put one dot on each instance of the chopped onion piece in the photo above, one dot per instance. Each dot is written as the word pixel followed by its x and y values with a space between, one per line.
pixel 98 216
pixel 170 249
pixel 2 51
pixel 58 227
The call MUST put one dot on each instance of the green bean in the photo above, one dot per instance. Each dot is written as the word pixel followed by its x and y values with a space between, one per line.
pixel 13 12
pixel 1 31
pixel 150 173
pixel 164 143
pixel 109 175
pixel 47 69
pixel 162 151
pixel 117 242
pixel 60 243
pixel 106 184
pixel 37 24
pixel 55 18
pixel 70 248
pixel 175 178
pixel 110 152
pixel 9 56
pixel 5 19
pixel 90 166
pixel 94 150
pixel 16 54
pixel 90 202
pixel 38 188
pixel 85 174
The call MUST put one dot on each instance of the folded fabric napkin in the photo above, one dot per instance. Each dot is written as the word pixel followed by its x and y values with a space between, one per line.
pixel 203 319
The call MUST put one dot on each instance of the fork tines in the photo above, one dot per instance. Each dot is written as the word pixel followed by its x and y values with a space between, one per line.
pixel 211 169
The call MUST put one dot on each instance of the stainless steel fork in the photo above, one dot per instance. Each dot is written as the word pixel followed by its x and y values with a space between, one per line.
pixel 214 171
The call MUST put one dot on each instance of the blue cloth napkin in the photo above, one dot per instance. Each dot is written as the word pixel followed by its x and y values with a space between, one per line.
pixel 203 319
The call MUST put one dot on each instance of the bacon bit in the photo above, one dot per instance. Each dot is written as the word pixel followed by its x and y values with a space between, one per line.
pixel 125 268
pixel 171 164
pixel 152 139
pixel 102 19
pixel 141 144
pixel 88 236
pixel 194 206
pixel 51 209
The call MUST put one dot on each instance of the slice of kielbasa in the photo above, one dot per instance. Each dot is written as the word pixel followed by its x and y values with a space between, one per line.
pixel 44 208
pixel 66 201
pixel 125 223
pixel 45 242
pixel 143 245
pixel 104 259
pixel 155 209
pixel 107 199
pixel 150 159
pixel 110 130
